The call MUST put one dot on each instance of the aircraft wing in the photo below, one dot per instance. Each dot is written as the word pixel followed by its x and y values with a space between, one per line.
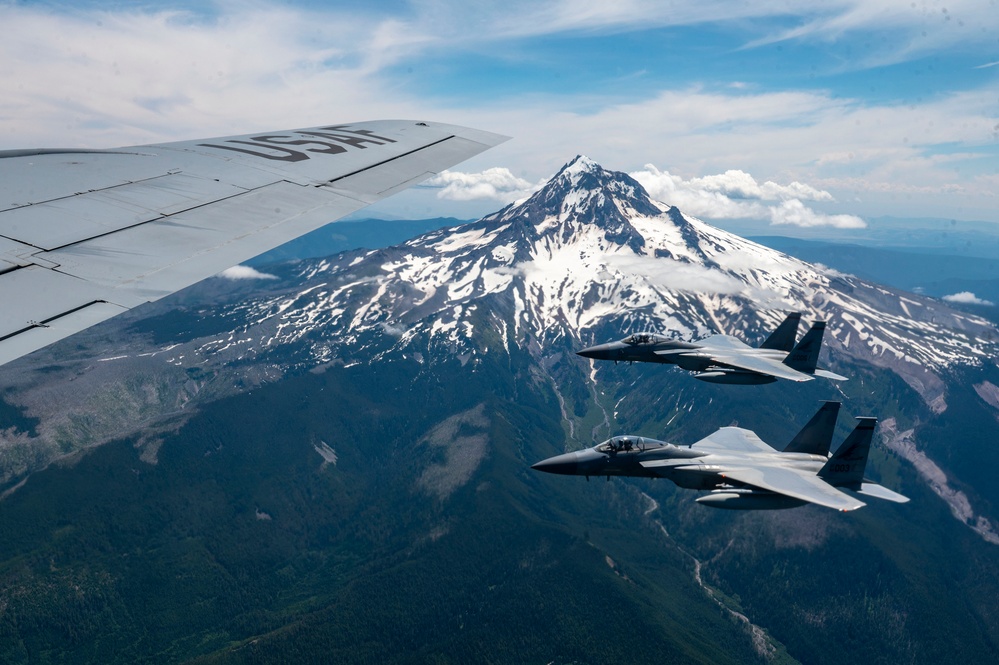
pixel 760 365
pixel 735 439
pixel 795 483
pixel 722 344
pixel 88 234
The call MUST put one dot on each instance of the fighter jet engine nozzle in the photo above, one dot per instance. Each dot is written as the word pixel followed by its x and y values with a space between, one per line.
pixel 735 499
pixel 734 377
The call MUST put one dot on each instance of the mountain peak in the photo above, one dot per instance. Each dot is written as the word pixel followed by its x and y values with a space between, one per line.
pixel 588 253
pixel 577 166
pixel 583 194
pixel 581 180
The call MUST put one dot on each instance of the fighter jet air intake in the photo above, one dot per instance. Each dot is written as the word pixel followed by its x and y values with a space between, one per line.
pixel 742 472
pixel 725 359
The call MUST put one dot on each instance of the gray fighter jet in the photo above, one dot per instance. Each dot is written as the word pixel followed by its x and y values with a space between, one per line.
pixel 741 471
pixel 725 359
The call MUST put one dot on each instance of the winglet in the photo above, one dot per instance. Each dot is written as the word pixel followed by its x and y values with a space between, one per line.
pixel 816 436
pixel 782 339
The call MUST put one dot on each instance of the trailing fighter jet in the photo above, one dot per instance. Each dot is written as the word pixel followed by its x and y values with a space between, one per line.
pixel 725 359
pixel 740 470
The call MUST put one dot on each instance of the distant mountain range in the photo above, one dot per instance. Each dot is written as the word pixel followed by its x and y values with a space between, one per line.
pixel 922 235
pixel 292 464
pixel 346 235
pixel 916 269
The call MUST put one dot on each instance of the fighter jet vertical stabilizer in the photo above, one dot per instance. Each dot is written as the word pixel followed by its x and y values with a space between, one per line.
pixel 805 355
pixel 782 339
pixel 815 437
pixel 846 467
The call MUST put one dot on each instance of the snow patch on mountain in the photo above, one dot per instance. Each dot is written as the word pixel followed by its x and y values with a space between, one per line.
pixel 591 251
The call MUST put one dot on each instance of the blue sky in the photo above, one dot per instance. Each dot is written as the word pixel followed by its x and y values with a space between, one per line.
pixel 823 113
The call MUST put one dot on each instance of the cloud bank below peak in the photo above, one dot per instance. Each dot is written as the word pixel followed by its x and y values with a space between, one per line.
pixel 497 183
pixel 736 194
pixel 733 194
pixel 967 298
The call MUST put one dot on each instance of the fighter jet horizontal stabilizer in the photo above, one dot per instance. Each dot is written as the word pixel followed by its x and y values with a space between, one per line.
pixel 881 492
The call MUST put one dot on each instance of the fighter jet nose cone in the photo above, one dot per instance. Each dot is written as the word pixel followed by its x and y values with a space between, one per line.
pixel 563 464
pixel 608 351
pixel 598 352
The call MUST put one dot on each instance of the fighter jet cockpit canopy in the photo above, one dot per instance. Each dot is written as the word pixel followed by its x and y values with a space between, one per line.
pixel 627 444
pixel 645 338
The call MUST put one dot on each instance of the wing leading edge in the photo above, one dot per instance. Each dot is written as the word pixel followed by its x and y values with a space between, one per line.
pixel 88 234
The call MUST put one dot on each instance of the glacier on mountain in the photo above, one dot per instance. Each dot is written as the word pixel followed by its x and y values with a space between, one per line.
pixel 592 249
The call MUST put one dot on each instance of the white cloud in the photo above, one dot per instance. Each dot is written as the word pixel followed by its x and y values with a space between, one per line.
pixel 677 276
pixel 245 272
pixel 396 330
pixel 738 184
pixel 830 272
pixel 495 183
pixel 736 194
pixel 905 31
pixel 890 31
pixel 794 213
pixel 103 78
pixel 967 298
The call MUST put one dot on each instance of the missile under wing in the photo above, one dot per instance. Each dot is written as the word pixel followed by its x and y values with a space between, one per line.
pixel 88 234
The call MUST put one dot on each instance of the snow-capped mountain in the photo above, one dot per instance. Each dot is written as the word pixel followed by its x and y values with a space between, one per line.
pixel 590 254
pixel 318 485
pixel 588 258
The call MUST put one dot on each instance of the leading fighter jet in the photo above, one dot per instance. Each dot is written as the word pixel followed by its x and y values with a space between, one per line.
pixel 741 471
pixel 725 359
pixel 88 234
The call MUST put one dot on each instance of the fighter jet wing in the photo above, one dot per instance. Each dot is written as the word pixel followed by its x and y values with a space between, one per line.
pixel 735 439
pixel 722 344
pixel 760 365
pixel 795 483
pixel 88 234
